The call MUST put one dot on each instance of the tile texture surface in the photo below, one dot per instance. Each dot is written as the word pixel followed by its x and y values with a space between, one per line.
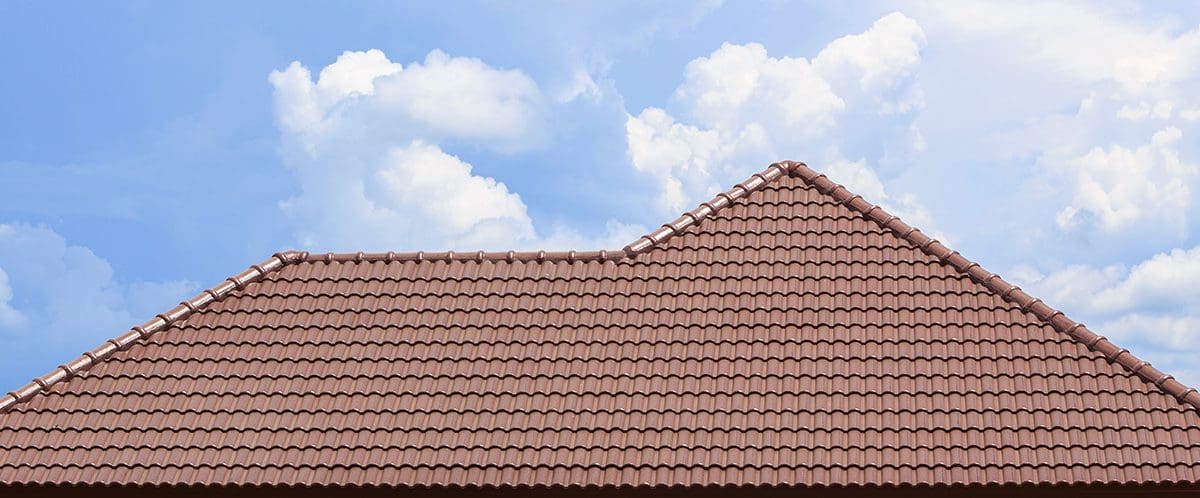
pixel 781 337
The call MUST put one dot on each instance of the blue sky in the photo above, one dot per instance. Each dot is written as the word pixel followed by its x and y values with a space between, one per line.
pixel 150 149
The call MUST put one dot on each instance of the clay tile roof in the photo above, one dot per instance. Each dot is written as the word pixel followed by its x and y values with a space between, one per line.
pixel 787 332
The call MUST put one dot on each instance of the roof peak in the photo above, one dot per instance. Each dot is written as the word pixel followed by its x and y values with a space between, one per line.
pixel 991 281
pixel 721 200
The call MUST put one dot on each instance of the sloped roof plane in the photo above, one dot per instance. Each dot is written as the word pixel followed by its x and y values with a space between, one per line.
pixel 785 333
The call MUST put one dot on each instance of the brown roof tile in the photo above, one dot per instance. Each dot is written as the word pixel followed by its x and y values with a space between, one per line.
pixel 786 332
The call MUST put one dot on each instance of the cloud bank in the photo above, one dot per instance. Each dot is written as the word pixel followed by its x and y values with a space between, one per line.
pixel 365 140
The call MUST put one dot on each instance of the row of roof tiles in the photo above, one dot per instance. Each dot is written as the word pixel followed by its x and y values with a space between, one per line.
pixel 851 391
pixel 874 418
pixel 595 475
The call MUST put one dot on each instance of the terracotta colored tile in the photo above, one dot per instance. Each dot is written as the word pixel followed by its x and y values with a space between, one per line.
pixel 787 338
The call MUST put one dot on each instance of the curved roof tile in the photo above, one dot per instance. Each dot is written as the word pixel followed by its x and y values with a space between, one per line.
pixel 787 332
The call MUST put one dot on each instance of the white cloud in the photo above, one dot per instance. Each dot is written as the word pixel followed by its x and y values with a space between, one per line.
pixel 1171 343
pixel 413 196
pixel 1179 336
pixel 676 153
pixel 1143 110
pixel 10 318
pixel 354 73
pixel 615 235
pixel 65 294
pixel 740 84
pixel 1081 40
pixel 464 98
pixel 882 60
pixel 365 141
pixel 370 180
pixel 1165 281
pixel 742 109
pixel 1119 187
pixel 428 184
pixel 366 96
pixel 1065 124
pixel 1073 287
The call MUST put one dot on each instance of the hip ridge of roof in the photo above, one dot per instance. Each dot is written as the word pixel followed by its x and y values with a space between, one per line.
pixel 991 281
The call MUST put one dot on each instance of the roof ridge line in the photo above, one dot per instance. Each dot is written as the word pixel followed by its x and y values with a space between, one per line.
pixel 1007 291
pixel 476 256
pixel 184 309
pixel 708 208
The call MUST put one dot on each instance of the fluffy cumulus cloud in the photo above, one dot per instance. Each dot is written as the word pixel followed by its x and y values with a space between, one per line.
pixel 676 154
pixel 881 61
pixel 1117 187
pixel 741 84
pixel 60 299
pixel 1112 178
pixel 366 139
pixel 364 95
pixel 740 108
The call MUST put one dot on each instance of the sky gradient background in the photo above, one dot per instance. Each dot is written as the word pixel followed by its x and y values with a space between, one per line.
pixel 148 150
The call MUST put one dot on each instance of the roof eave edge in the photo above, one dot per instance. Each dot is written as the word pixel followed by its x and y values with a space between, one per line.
pixel 1007 291
pixel 161 321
